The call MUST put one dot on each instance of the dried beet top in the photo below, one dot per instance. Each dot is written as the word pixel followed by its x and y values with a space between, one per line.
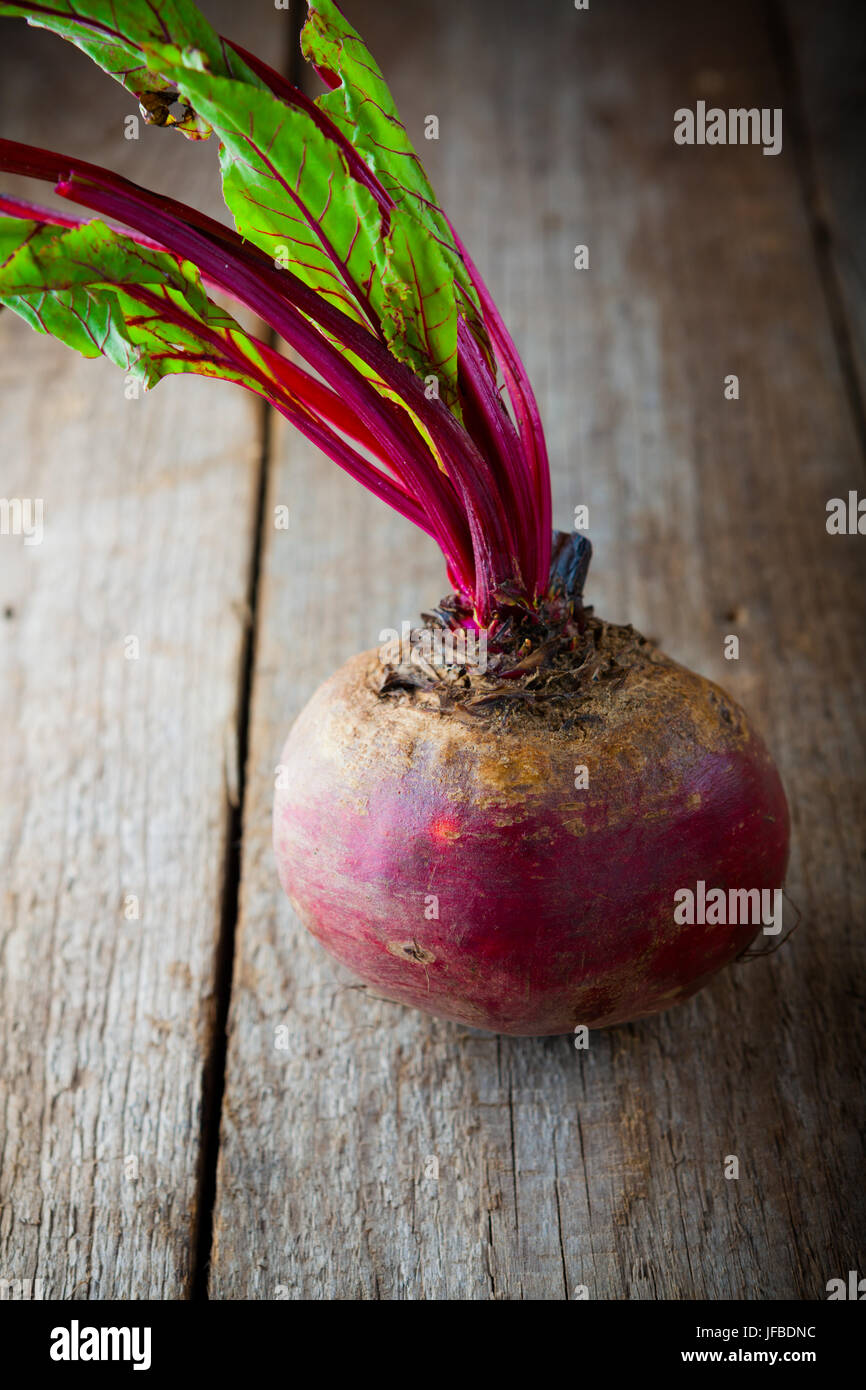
pixel 561 672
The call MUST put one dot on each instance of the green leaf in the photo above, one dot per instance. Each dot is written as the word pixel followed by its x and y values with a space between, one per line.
pixel 286 178
pixel 104 295
pixel 289 188
pixel 119 34
pixel 289 191
pixel 362 108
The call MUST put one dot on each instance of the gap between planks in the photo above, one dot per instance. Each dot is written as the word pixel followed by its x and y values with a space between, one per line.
pixel 213 1086
pixel 213 1089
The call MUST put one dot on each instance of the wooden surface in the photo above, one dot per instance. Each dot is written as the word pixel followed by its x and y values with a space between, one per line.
pixel 558 1171
pixel 115 773
pixel 826 69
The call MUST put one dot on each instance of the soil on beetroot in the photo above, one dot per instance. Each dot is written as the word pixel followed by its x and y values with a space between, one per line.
pixel 559 676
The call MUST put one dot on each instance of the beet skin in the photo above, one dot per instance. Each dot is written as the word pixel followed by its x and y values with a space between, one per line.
pixel 455 866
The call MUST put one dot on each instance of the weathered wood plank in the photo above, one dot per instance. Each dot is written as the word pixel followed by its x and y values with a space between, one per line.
pixel 829 69
pixel 558 1169
pixel 114 772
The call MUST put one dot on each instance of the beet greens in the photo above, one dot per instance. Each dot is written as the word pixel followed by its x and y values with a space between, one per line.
pixel 410 380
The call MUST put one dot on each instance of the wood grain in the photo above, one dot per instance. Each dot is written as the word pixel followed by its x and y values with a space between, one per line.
pixel 561 1172
pixel 828 62
pixel 114 773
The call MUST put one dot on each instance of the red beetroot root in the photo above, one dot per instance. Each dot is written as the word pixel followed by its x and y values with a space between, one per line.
pixel 454 867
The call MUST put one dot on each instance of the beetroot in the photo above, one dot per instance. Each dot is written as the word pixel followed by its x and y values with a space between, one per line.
pixel 455 866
